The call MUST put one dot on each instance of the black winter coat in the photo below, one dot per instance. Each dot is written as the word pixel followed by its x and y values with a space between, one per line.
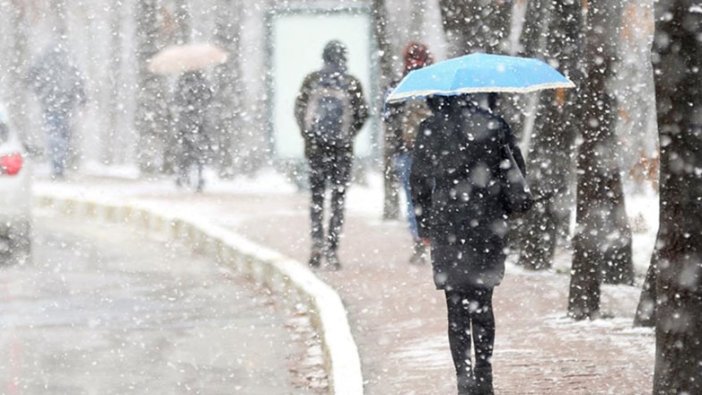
pixel 193 95
pixel 456 191
pixel 358 104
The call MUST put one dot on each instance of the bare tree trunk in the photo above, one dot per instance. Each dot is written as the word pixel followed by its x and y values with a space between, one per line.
pixel 391 203
pixel 151 109
pixel 416 28
pixel 677 59
pixel 58 8
pixel 179 33
pixel 535 29
pixel 550 156
pixel 18 70
pixel 603 239
pixel 476 25
pixel 114 96
pixel 229 132
pixel 183 22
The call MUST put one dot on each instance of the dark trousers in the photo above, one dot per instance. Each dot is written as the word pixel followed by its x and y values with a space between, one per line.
pixel 470 313
pixel 191 156
pixel 59 140
pixel 330 167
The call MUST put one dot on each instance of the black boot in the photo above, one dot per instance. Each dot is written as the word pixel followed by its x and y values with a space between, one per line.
pixel 419 253
pixel 483 381
pixel 333 259
pixel 466 385
pixel 315 258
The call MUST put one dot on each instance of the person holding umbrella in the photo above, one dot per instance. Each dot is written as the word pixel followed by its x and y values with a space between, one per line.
pixel 192 97
pixel 467 178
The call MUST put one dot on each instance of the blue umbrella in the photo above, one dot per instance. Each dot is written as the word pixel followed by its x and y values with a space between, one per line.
pixel 478 73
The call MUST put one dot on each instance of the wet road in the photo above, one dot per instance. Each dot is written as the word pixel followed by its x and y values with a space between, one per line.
pixel 103 309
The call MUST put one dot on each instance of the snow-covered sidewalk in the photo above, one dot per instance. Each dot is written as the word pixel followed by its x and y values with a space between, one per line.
pixel 397 317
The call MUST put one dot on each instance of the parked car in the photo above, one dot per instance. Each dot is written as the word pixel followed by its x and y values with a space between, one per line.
pixel 15 192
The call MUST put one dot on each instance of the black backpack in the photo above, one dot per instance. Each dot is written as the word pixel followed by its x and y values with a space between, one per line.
pixel 329 114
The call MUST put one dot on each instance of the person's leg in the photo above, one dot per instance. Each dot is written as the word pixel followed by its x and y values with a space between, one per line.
pixel 403 164
pixel 460 339
pixel 200 163
pixel 200 177
pixel 483 326
pixel 182 164
pixel 317 184
pixel 340 177
pixel 58 142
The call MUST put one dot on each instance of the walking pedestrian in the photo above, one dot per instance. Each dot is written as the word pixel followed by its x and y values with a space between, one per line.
pixel 402 121
pixel 330 111
pixel 458 189
pixel 59 86
pixel 193 96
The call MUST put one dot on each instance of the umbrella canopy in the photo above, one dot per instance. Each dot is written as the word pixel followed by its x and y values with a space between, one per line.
pixel 478 73
pixel 176 59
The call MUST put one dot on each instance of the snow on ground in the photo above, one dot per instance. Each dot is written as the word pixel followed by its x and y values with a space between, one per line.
pixel 364 200
pixel 429 350
pixel 643 209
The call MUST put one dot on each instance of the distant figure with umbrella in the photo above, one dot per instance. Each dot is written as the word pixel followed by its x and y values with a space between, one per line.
pixel 467 177
pixel 192 98
pixel 59 87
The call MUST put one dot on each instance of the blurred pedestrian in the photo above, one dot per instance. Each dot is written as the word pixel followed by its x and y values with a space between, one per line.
pixel 402 121
pixel 330 111
pixel 59 86
pixel 458 190
pixel 193 95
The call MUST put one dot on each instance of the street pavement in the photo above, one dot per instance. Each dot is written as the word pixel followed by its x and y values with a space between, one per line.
pixel 103 309
pixel 398 318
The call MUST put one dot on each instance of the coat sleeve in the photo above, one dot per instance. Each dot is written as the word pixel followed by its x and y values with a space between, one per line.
pixel 511 141
pixel 359 104
pixel 392 115
pixel 422 182
pixel 302 100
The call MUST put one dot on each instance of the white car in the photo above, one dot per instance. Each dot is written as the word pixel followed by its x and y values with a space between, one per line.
pixel 15 192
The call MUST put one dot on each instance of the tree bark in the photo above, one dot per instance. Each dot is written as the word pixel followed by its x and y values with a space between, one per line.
pixel 114 94
pixel 178 30
pixel 536 23
pixel 550 157
pixel 183 21
pixel 58 8
pixel 18 69
pixel 677 59
pixel 602 241
pixel 416 25
pixel 476 25
pixel 391 202
pixel 151 101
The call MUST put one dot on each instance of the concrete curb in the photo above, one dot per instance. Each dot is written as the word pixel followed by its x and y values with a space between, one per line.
pixel 284 276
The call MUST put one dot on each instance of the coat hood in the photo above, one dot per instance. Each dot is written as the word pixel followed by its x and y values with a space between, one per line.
pixel 335 56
